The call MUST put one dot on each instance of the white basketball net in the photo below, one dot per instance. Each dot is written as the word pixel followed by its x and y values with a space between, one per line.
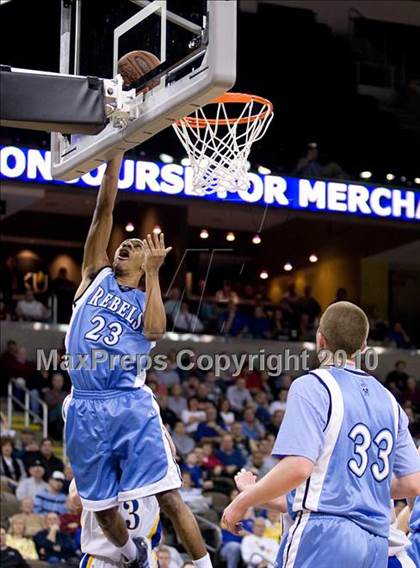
pixel 218 148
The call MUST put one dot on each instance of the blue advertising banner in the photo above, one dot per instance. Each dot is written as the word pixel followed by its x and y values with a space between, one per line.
pixel 348 198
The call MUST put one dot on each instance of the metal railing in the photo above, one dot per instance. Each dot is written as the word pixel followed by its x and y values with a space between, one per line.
pixel 13 400
pixel 206 524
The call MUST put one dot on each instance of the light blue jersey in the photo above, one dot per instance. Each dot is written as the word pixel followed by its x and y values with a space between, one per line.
pixel 105 340
pixel 414 548
pixel 355 433
pixel 415 516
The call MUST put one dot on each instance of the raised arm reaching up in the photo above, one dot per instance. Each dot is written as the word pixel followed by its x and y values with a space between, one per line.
pixel 95 256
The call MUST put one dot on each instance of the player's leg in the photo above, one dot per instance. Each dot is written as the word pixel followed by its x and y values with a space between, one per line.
pixel 94 468
pixel 185 525
pixel 149 468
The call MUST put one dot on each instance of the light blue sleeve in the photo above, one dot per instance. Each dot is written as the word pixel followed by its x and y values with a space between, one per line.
pixel 407 460
pixel 302 430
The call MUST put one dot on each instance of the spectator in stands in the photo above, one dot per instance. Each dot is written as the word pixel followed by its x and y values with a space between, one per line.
pixel 211 429
pixel 53 545
pixel 33 522
pixel 398 376
pixel 184 444
pixel 226 293
pixel 412 394
pixel 70 522
pixel 49 460
pixel 251 426
pixel 164 558
pixel 231 543
pixel 256 549
pixel 269 461
pixel 225 412
pixel 230 456
pixel 262 411
pixel 342 295
pixel 399 337
pixel 273 526
pixel 280 403
pixel 191 466
pixel 233 322
pixel 278 328
pixel 238 395
pixel 33 484
pixel 168 416
pixel 53 498
pixel 260 326
pixel 209 461
pixel 290 306
pixel 28 448
pixel 308 165
pixel 193 415
pixel 276 420
pixel 64 289
pixel 203 395
pixel 193 495
pixel 10 557
pixel 309 305
pixel 176 402
pixel 186 322
pixel 30 309
pixel 6 431
pixel 10 467
pixel 173 304
pixel 16 365
pixel 16 539
pixel 252 378
pixel 255 463
pixel 169 376
pixel 215 387
pixel 54 397
pixel 241 442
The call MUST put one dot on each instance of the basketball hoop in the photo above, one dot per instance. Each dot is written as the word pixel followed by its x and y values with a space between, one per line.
pixel 218 148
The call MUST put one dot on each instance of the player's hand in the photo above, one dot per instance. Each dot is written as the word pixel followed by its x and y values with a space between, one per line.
pixel 244 479
pixel 154 252
pixel 232 516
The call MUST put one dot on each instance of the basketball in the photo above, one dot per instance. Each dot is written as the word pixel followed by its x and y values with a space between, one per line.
pixel 133 65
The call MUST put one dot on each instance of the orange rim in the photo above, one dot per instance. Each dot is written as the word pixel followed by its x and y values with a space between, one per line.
pixel 231 98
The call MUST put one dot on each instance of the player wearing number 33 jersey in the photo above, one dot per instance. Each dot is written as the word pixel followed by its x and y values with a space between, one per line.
pixel 357 435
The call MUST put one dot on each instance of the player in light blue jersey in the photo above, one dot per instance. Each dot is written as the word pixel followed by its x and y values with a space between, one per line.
pixel 342 437
pixel 114 433
pixel 413 550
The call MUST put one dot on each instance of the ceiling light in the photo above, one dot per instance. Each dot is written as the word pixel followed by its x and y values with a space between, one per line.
pixel 263 275
pixel 417 180
pixel 248 165
pixel 264 171
pixel 185 162
pixel 129 227
pixel 166 158
pixel 288 267
pixel 230 236
pixel 366 174
pixel 204 234
pixel 157 230
pixel 390 177
pixel 313 258
pixel 256 239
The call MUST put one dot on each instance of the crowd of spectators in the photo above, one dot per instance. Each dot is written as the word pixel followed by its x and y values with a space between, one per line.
pixel 232 311
pixel 219 425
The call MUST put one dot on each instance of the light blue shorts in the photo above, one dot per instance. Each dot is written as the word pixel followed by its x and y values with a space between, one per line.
pixel 413 550
pixel 117 447
pixel 326 541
